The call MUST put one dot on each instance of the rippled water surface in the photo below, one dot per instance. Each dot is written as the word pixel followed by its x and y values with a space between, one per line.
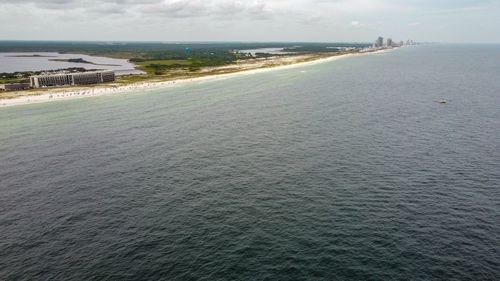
pixel 343 170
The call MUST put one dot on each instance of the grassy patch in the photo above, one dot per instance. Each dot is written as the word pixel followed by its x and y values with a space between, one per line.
pixel 127 79
pixel 161 67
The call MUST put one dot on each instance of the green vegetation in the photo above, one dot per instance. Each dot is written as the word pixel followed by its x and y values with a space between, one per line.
pixel 162 60
pixel 80 60
pixel 131 49
pixel 128 79
pixel 170 62
pixel 6 78
pixel 160 67
pixel 263 55
pixel 77 60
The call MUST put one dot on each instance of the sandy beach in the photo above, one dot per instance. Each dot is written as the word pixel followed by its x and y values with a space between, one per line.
pixel 82 92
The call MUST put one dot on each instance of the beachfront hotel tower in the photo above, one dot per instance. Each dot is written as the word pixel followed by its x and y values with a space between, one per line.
pixel 64 79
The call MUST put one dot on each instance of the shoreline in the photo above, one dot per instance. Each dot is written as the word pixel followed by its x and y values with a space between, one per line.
pixel 66 93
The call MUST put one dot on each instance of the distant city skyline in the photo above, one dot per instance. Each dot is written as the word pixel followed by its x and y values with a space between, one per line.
pixel 455 21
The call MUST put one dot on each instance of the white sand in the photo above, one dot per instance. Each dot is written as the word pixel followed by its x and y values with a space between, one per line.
pixel 59 94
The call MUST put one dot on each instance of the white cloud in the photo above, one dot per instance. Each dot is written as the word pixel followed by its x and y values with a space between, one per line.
pixel 295 20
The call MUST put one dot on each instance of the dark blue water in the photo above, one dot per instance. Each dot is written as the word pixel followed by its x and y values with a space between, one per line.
pixel 344 170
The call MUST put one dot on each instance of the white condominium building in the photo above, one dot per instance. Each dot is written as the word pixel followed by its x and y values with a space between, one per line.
pixel 81 78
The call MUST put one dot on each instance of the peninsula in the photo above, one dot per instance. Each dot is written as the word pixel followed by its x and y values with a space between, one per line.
pixel 166 65
pixel 80 60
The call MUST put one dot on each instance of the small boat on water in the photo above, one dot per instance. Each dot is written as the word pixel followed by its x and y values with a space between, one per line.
pixel 442 101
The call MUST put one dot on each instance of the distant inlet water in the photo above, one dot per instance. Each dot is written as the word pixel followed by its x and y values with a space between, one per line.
pixel 20 62
pixel 350 169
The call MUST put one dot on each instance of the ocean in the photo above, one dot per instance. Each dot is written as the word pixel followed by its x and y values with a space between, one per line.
pixel 349 169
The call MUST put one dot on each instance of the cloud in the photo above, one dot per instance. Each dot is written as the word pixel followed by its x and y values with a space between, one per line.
pixel 208 8
pixel 177 8
pixel 164 8
pixel 327 20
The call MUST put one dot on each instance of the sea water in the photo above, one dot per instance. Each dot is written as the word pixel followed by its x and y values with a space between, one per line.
pixel 349 169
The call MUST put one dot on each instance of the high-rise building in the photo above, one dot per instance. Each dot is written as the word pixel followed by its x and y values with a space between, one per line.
pixel 380 42
pixel 72 79
pixel 389 42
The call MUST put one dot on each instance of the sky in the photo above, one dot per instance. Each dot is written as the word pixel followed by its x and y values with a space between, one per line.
pixel 458 21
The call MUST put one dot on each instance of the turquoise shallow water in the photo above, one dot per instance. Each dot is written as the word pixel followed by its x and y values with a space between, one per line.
pixel 343 170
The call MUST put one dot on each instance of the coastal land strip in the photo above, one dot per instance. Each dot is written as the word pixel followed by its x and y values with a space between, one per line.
pixel 206 74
